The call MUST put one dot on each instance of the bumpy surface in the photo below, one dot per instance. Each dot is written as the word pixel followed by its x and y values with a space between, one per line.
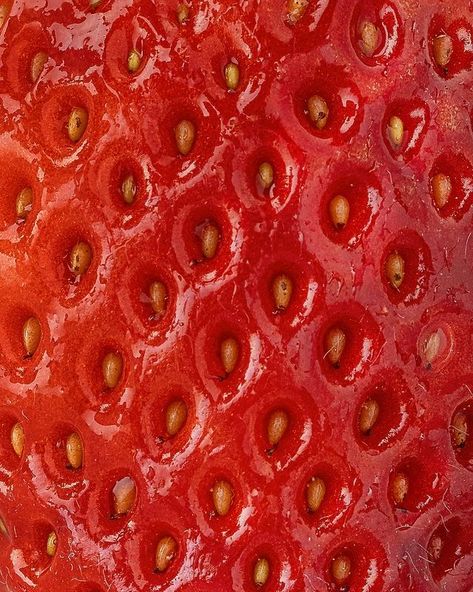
pixel 397 510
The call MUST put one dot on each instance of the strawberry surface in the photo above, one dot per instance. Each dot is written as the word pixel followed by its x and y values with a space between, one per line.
pixel 236 310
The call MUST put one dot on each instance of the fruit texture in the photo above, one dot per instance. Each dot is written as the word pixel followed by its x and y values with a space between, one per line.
pixel 236 296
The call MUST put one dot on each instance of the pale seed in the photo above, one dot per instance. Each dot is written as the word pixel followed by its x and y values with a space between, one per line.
pixel 229 353
pixel 335 342
pixel 24 201
pixel 265 175
pixel 399 488
pixel 159 297
pixel 74 451
pixel 441 189
pixel 134 61
pixel 124 495
pixel 176 415
pixel 339 208
pixel 112 366
pixel 282 291
pixel 222 495
pixel 37 65
pixel 442 50
pixel 261 572
pixel 369 38
pixel 182 13
pixel 435 547
pixel 459 429
pixel 77 123
pixel 165 553
pixel 318 111
pixel 341 569
pixel 395 273
pixel 80 258
pixel 31 335
pixel 296 10
pixel 277 425
pixel 209 240
pixel 315 493
pixel 17 439
pixel 129 189
pixel 368 415
pixel 396 130
pixel 232 75
pixel 185 136
pixel 51 544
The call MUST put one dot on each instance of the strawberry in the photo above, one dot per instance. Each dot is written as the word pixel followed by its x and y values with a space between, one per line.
pixel 236 296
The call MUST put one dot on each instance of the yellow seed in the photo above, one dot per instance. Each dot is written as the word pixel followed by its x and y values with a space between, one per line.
pixel 37 65
pixel 282 291
pixel 209 239
pixel 277 425
pixel 335 342
pixel 296 10
pixel 134 61
pixel 459 429
pixel 129 189
pixel 435 547
pixel 339 208
pixel 229 353
pixel 341 568
pixel 222 496
pixel 368 415
pixel 112 366
pixel 185 136
pixel 124 495
pixel 31 335
pixel 441 189
pixel 396 130
pixel 318 111
pixel 399 488
pixel 159 297
pixel 165 552
pixel 369 38
pixel 24 201
pixel 176 415
pixel 77 123
pixel 442 50
pixel 182 13
pixel 315 493
pixel 395 265
pixel 261 572
pixel 80 258
pixel 232 75
pixel 51 544
pixel 265 175
pixel 74 451
pixel 17 439
pixel 3 528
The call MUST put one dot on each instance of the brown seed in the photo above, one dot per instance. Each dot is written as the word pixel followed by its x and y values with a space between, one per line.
pixel 165 552
pixel 129 189
pixel 17 439
pixel 441 189
pixel 24 201
pixel 80 258
pixel 394 267
pixel 459 429
pixel 134 61
pixel 124 495
pixel 31 335
pixel 399 488
pixel 339 208
pixel 222 495
pixel 265 175
pixel 112 366
pixel 176 415
pixel 435 547
pixel 396 130
pixel 77 123
pixel 282 291
pixel 95 4
pixel 431 347
pixel 159 297
pixel 182 13
pixel 335 341
pixel 209 238
pixel 185 136
pixel 232 75
pixel 296 10
pixel 318 111
pixel 261 572
pixel 369 38
pixel 442 49
pixel 315 493
pixel 341 568
pixel 229 353
pixel 74 451
pixel 277 425
pixel 51 544
pixel 37 65
pixel 4 10
pixel 368 415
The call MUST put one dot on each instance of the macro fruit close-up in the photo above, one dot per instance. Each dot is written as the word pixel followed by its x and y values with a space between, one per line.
pixel 236 296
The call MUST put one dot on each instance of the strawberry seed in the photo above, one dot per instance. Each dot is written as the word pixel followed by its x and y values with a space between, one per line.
pixel 396 131
pixel 37 65
pixel 265 176
pixel 261 572
pixel 442 50
pixel 395 269
pixel 185 136
pixel 24 202
pixel 222 495
pixel 232 75
pixel 77 123
pixel 368 415
pixel 339 208
pixel 399 488
pixel 277 425
pixel 296 10
pixel 315 493
pixel 80 258
pixel 369 38
pixel 129 189
pixel 176 416
pixel 166 550
pixel 74 451
pixel 159 297
pixel 133 61
pixel 182 13
pixel 441 189
pixel 318 111
pixel 282 291
pixel 112 366
pixel 335 342
pixel 341 568
pixel 124 495
pixel 229 353
pixel 51 544
pixel 459 429
pixel 209 240
pixel 17 439
pixel 31 335
pixel 435 547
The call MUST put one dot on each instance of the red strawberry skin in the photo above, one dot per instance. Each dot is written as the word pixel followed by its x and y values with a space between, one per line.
pixel 407 347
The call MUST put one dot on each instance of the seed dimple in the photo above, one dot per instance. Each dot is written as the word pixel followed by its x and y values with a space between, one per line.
pixel 435 547
pixel 399 488
pixel 124 495
pixel 77 123
pixel 396 131
pixel 24 202
pixel 232 75
pixel 17 439
pixel 80 258
pixel 185 136
pixel 368 415
pixel 112 366
pixel 369 38
pixel 229 353
pixel 459 429
pixel 37 64
pixel 51 544
pixel 31 335
pixel 261 572
pixel 265 175
pixel 209 240
pixel 296 10
pixel 339 208
pixel 222 495
pixel 318 111
pixel 315 493
pixel 395 269
pixel 341 568
pixel 134 61
pixel 277 425
pixel 129 189
pixel 335 342
pixel 165 552
pixel 176 415
pixel 182 13
pixel 442 50
pixel 282 291
pixel 74 451
pixel 441 189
